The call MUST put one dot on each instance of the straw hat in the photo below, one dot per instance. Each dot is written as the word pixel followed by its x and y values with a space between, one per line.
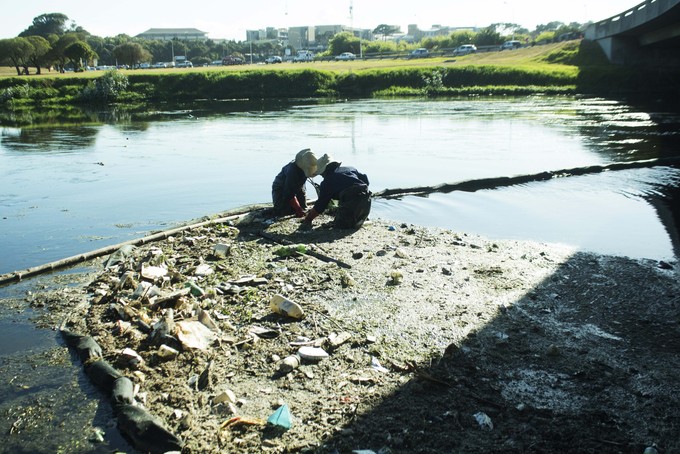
pixel 323 162
pixel 306 160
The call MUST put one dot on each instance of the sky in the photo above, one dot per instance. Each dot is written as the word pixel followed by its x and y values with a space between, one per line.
pixel 229 19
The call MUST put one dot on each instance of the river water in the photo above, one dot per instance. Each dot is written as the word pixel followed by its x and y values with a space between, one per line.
pixel 71 187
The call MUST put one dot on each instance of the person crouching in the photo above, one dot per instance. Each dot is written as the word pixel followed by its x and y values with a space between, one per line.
pixel 346 185
pixel 288 188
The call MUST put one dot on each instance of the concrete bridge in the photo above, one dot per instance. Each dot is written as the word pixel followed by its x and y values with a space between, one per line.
pixel 648 33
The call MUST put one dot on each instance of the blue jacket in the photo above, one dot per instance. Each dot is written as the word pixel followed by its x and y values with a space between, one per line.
pixel 335 180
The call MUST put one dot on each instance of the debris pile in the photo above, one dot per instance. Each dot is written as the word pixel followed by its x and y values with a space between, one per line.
pixel 260 336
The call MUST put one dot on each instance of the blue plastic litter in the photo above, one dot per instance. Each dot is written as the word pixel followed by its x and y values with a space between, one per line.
pixel 281 417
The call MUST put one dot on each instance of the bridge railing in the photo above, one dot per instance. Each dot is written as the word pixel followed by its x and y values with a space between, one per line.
pixel 631 18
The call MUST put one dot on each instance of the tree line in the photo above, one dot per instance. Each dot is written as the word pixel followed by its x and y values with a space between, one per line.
pixel 52 41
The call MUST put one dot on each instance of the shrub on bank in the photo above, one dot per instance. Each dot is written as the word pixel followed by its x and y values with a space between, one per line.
pixel 107 88
pixel 234 85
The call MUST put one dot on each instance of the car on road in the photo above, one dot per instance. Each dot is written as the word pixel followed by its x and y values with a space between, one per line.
pixel 232 60
pixel 465 49
pixel 303 56
pixel 510 45
pixel 346 56
pixel 273 59
pixel 184 64
pixel 419 53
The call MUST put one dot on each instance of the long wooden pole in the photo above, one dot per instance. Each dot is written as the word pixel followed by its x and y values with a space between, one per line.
pixel 224 217
pixel 491 183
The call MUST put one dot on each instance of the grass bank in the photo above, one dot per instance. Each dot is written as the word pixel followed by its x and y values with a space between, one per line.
pixel 575 67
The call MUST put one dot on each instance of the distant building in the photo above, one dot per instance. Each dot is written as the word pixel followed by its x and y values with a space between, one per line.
pixel 168 34
pixel 301 37
pixel 436 30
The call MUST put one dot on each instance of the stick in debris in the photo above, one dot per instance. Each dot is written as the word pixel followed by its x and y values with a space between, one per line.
pixel 312 253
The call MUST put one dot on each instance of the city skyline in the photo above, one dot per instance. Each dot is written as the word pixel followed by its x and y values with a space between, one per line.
pixel 231 21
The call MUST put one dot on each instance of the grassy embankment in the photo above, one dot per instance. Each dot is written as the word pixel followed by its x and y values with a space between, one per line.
pixel 563 68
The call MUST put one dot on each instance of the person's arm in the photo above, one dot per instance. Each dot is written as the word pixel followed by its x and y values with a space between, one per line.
pixel 295 204
pixel 311 214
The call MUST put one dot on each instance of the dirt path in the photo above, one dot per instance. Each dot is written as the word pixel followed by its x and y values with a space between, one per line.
pixel 436 341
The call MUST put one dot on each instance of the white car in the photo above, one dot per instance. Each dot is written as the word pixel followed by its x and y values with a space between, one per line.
pixel 514 44
pixel 346 56
pixel 419 53
pixel 465 49
pixel 273 59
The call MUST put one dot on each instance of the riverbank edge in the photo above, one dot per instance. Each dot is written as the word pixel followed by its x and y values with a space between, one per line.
pixel 129 90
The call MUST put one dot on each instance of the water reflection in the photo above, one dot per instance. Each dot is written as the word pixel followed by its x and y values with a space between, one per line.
pixel 48 139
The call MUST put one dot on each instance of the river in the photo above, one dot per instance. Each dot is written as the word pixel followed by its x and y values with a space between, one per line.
pixel 68 188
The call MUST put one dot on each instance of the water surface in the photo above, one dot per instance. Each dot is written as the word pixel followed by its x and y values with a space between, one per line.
pixel 69 189
pixel 74 187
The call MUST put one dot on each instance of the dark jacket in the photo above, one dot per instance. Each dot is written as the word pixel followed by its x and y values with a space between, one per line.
pixel 288 183
pixel 335 180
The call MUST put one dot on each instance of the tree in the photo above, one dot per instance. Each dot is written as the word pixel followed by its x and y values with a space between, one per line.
pixel 461 37
pixel 131 54
pixel 39 51
pixel 488 37
pixel 78 52
pixel 15 51
pixel 386 30
pixel 344 42
pixel 57 54
pixel 47 24
pixel 549 27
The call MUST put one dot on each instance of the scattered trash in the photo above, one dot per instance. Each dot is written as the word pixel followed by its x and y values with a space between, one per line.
pixel 203 270
pixel 194 334
pixel 337 339
pixel 289 364
pixel 401 254
pixel 206 320
pixel 264 333
pixel 194 288
pixel 391 228
pixel 153 272
pixel 119 256
pixel 164 328
pixel 375 364
pixel 97 435
pixel 484 421
pixel 292 250
pixel 167 353
pixel 225 396
pixel 281 417
pixel 396 277
pixel 347 281
pixel 131 358
pixel 221 250
pixel 313 354
pixel 242 421
pixel 282 305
